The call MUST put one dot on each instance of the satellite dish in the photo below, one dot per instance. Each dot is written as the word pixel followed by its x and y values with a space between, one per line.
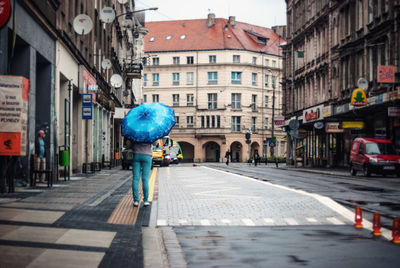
pixel 116 80
pixel 122 1
pixel 107 15
pixel 83 24
pixel 106 64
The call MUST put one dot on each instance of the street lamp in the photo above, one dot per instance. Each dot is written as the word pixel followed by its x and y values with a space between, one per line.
pixel 273 109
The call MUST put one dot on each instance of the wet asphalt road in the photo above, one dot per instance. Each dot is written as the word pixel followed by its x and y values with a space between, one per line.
pixel 373 194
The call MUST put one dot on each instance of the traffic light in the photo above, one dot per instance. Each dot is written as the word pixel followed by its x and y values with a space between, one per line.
pixel 248 135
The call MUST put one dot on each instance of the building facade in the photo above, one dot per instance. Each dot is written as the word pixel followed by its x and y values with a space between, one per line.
pixel 334 48
pixel 220 77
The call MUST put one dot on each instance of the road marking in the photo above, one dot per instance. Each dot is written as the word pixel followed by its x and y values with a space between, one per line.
pixel 269 220
pixel 311 219
pixel 205 222
pixel 182 221
pixel 225 221
pixel 291 221
pixel 152 181
pixel 248 222
pixel 335 221
pixel 161 223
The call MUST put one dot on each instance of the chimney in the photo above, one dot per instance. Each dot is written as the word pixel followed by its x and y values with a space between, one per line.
pixel 211 20
pixel 232 21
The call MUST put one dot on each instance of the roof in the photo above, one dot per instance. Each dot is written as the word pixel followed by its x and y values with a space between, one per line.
pixel 189 35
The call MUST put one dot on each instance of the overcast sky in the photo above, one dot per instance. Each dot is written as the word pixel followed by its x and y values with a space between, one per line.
pixel 265 13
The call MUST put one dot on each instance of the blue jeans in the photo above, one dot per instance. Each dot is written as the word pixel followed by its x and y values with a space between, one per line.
pixel 141 166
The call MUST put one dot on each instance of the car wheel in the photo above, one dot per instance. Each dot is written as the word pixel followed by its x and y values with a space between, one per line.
pixel 353 172
pixel 367 172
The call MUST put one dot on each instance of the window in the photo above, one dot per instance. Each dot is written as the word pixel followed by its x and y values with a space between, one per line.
pixel 253 124
pixel 212 101
pixel 156 79
pixel 156 98
pixel 144 98
pixel 360 14
pixel 208 121
pixel 213 121
pixel 282 149
pixel 266 80
pixel 212 77
pixel 236 77
pixel 370 10
pixel 274 63
pixel 176 121
pixel 236 100
pixel 175 99
pixel 266 101
pixel 273 81
pixel 175 78
pixel 156 61
pixel 189 99
pixel 235 124
pixel 254 103
pixel 254 60
pixel 266 62
pixel 145 80
pixel 266 126
pixel 236 58
pixel 361 149
pixel 176 60
pixel 189 121
pixel 189 79
pixel 212 59
pixel 202 122
pixel 218 121
pixel 254 79
pixel 189 60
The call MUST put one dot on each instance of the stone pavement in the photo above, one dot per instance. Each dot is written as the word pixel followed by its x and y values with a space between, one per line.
pixel 67 225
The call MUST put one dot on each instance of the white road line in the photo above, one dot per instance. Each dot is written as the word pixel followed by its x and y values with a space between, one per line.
pixel 349 215
pixel 311 220
pixel 161 223
pixel 225 221
pixel 269 220
pixel 335 221
pixel 205 222
pixel 248 222
pixel 182 221
pixel 291 221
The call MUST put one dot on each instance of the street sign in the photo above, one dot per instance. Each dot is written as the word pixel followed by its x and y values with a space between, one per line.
pixel 294 124
pixel 87 113
pixel 362 83
pixel 272 143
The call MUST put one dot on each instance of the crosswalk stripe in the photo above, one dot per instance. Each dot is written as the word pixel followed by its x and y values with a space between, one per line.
pixel 205 222
pixel 161 222
pixel 225 221
pixel 311 219
pixel 291 221
pixel 248 222
pixel 182 221
pixel 335 221
pixel 269 220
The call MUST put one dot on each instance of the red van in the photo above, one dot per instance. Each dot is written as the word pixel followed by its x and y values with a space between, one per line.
pixel 371 155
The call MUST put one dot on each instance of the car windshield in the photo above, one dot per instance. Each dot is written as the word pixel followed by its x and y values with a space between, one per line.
pixel 157 148
pixel 379 148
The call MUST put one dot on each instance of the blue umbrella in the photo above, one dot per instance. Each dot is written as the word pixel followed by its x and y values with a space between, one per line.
pixel 148 122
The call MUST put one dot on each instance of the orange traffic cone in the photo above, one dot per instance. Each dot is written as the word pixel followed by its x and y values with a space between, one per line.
pixel 358 218
pixel 376 224
pixel 396 231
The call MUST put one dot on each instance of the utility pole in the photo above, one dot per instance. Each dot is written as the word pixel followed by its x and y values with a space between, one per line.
pixel 273 113
pixel 293 74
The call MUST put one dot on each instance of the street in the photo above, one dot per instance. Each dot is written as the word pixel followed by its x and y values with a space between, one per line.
pixel 204 215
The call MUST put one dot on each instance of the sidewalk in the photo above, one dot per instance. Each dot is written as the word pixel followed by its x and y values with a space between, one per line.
pixel 70 223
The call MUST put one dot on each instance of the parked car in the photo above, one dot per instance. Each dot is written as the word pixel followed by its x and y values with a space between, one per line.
pixel 371 155
pixel 127 155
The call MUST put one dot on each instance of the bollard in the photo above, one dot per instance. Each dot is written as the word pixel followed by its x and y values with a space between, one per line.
pixel 358 218
pixel 396 231
pixel 376 224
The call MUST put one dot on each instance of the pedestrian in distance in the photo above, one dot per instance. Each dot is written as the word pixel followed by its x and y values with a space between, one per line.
pixel 40 154
pixel 141 167
pixel 256 158
pixel 227 155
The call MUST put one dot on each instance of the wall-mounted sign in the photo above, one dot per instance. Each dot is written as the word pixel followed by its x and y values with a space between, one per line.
pixel 385 74
pixel 358 98
pixel 5 11
pixel 312 114
pixel 87 106
pixel 341 109
pixel 319 125
pixel 362 83
pixel 394 111
pixel 333 127
pixel 86 80
pixel 352 124
pixel 279 120
pixel 326 111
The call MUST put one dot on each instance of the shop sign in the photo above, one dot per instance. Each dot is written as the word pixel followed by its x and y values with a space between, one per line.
pixel 319 125
pixel 381 98
pixel 385 74
pixel 14 98
pixel 326 111
pixel 358 98
pixel 352 124
pixel 341 109
pixel 362 83
pixel 279 120
pixel 312 114
pixel 5 12
pixel 86 80
pixel 393 96
pixel 394 111
pixel 333 127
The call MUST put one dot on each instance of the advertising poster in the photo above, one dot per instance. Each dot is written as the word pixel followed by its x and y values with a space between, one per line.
pixel 14 94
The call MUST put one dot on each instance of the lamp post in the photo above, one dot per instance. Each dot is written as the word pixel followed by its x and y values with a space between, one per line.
pixel 273 109
pixel 136 11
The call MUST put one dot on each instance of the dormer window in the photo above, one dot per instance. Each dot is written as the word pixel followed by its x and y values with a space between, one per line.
pixel 151 39
pixel 169 37
pixel 183 37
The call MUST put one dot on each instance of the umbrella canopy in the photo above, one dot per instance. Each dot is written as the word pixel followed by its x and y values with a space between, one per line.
pixel 148 122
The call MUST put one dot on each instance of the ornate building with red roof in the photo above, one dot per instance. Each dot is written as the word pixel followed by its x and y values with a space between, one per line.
pixel 220 77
